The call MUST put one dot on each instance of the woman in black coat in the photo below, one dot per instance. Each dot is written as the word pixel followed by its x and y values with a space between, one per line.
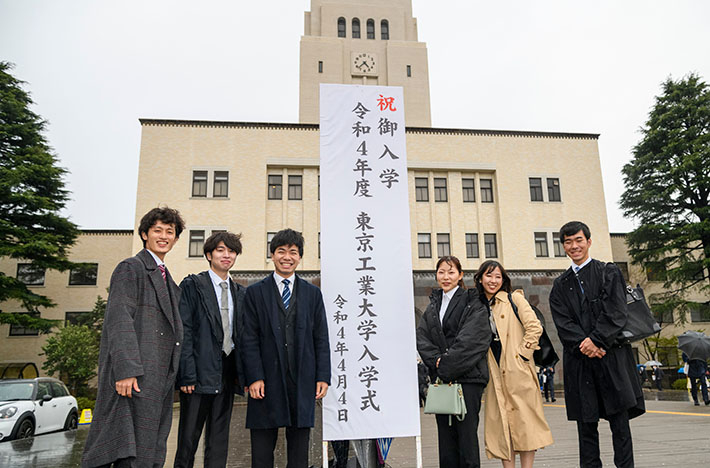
pixel 452 340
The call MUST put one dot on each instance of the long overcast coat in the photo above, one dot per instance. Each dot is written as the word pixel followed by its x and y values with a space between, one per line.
pixel 595 387
pixel 515 420
pixel 265 358
pixel 141 338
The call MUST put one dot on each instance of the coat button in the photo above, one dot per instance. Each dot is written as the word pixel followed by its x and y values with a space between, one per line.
pixel 502 315
pixel 216 391
pixel 177 344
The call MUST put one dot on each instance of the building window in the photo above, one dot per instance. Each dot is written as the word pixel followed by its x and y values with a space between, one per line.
pixel 440 189
pixel 385 30
pixel 469 190
pixel 320 66
pixel 269 238
pixel 624 267
pixel 421 188
pixel 557 245
pixel 30 275
pixel 275 182
pixel 341 27
pixel 197 240
pixel 76 318
pixel 221 184
pixel 424 244
pixel 443 245
pixel 295 187
pixel 319 245
pixel 356 28
pixel 699 312
pixel 487 190
pixel 535 189
pixel 541 245
pixel 553 190
pixel 655 271
pixel 84 274
pixel 17 330
pixel 199 183
pixel 409 71
pixel 472 245
pixel 490 245
pixel 370 29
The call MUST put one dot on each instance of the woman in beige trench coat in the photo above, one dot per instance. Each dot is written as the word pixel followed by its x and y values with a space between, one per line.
pixel 514 419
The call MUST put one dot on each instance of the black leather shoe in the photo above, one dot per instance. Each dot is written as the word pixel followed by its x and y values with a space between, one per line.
pixel 697 404
pixel 707 403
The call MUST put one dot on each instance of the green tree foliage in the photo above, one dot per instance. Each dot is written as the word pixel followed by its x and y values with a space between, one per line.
pixel 72 353
pixel 32 194
pixel 667 191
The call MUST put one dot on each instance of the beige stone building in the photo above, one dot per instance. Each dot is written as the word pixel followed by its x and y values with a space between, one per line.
pixel 476 194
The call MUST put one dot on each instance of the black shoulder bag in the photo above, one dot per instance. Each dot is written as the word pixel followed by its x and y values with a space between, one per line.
pixel 640 323
pixel 546 356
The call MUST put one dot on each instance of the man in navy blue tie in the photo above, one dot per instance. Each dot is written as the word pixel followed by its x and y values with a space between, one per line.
pixel 286 355
pixel 588 305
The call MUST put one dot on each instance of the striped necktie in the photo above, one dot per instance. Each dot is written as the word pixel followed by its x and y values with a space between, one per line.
pixel 286 294
pixel 163 272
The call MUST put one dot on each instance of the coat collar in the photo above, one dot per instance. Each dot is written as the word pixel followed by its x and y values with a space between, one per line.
pixel 453 303
pixel 166 297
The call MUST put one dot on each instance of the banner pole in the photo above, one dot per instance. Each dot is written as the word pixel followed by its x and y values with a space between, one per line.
pixel 325 454
pixel 419 451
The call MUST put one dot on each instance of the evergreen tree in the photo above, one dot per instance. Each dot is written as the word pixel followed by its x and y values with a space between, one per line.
pixel 667 191
pixel 73 354
pixel 32 194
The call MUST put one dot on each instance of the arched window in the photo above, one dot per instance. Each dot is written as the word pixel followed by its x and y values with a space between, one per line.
pixel 341 27
pixel 370 28
pixel 356 28
pixel 385 30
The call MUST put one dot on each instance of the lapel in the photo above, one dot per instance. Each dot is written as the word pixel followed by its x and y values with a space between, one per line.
pixel 163 293
pixel 271 312
pixel 571 289
pixel 435 298
pixel 214 316
pixel 452 304
pixel 234 289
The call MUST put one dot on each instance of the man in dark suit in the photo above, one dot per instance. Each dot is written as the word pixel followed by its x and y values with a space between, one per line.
pixel 549 385
pixel 588 304
pixel 140 353
pixel 211 307
pixel 286 355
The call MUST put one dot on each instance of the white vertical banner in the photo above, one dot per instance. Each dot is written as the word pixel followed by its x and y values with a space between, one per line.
pixel 366 264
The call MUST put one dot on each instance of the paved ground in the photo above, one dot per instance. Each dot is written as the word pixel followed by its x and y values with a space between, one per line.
pixel 672 433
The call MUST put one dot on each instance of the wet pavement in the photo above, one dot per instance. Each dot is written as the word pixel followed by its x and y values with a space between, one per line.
pixel 672 433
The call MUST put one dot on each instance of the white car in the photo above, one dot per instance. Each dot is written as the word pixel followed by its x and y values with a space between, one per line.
pixel 35 406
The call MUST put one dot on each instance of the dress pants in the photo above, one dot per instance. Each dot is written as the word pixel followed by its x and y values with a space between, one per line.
pixel 620 436
pixel 694 388
pixel 458 442
pixel 549 389
pixel 263 441
pixel 198 410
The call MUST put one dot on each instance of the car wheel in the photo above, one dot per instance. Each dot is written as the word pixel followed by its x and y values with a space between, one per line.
pixel 25 429
pixel 71 422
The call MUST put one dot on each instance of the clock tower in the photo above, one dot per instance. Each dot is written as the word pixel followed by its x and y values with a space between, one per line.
pixel 368 42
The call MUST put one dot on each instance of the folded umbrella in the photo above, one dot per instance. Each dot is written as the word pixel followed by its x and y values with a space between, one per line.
pixel 695 344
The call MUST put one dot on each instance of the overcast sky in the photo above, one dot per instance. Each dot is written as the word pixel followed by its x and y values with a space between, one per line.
pixel 95 67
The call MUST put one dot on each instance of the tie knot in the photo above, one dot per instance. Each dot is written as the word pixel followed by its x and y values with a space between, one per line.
pixel 223 285
pixel 286 282
pixel 576 269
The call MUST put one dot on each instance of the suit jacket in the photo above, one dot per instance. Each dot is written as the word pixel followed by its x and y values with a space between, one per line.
pixel 141 338
pixel 264 357
pixel 600 313
pixel 201 357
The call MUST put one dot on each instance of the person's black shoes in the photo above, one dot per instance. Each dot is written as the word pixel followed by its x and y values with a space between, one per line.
pixel 706 403
pixel 697 404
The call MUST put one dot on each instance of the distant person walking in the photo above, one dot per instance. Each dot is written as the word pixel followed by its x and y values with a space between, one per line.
pixel 696 371
pixel 657 377
pixel 549 385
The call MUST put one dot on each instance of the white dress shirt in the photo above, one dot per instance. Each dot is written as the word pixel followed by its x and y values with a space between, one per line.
pixel 155 257
pixel 574 265
pixel 216 281
pixel 445 299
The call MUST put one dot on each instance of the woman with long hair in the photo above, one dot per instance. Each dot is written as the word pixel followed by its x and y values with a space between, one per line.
pixel 453 337
pixel 514 419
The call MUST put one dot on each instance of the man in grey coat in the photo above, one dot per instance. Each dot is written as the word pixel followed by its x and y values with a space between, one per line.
pixel 140 353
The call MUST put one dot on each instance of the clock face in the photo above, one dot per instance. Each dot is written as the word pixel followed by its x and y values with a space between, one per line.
pixel 364 64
